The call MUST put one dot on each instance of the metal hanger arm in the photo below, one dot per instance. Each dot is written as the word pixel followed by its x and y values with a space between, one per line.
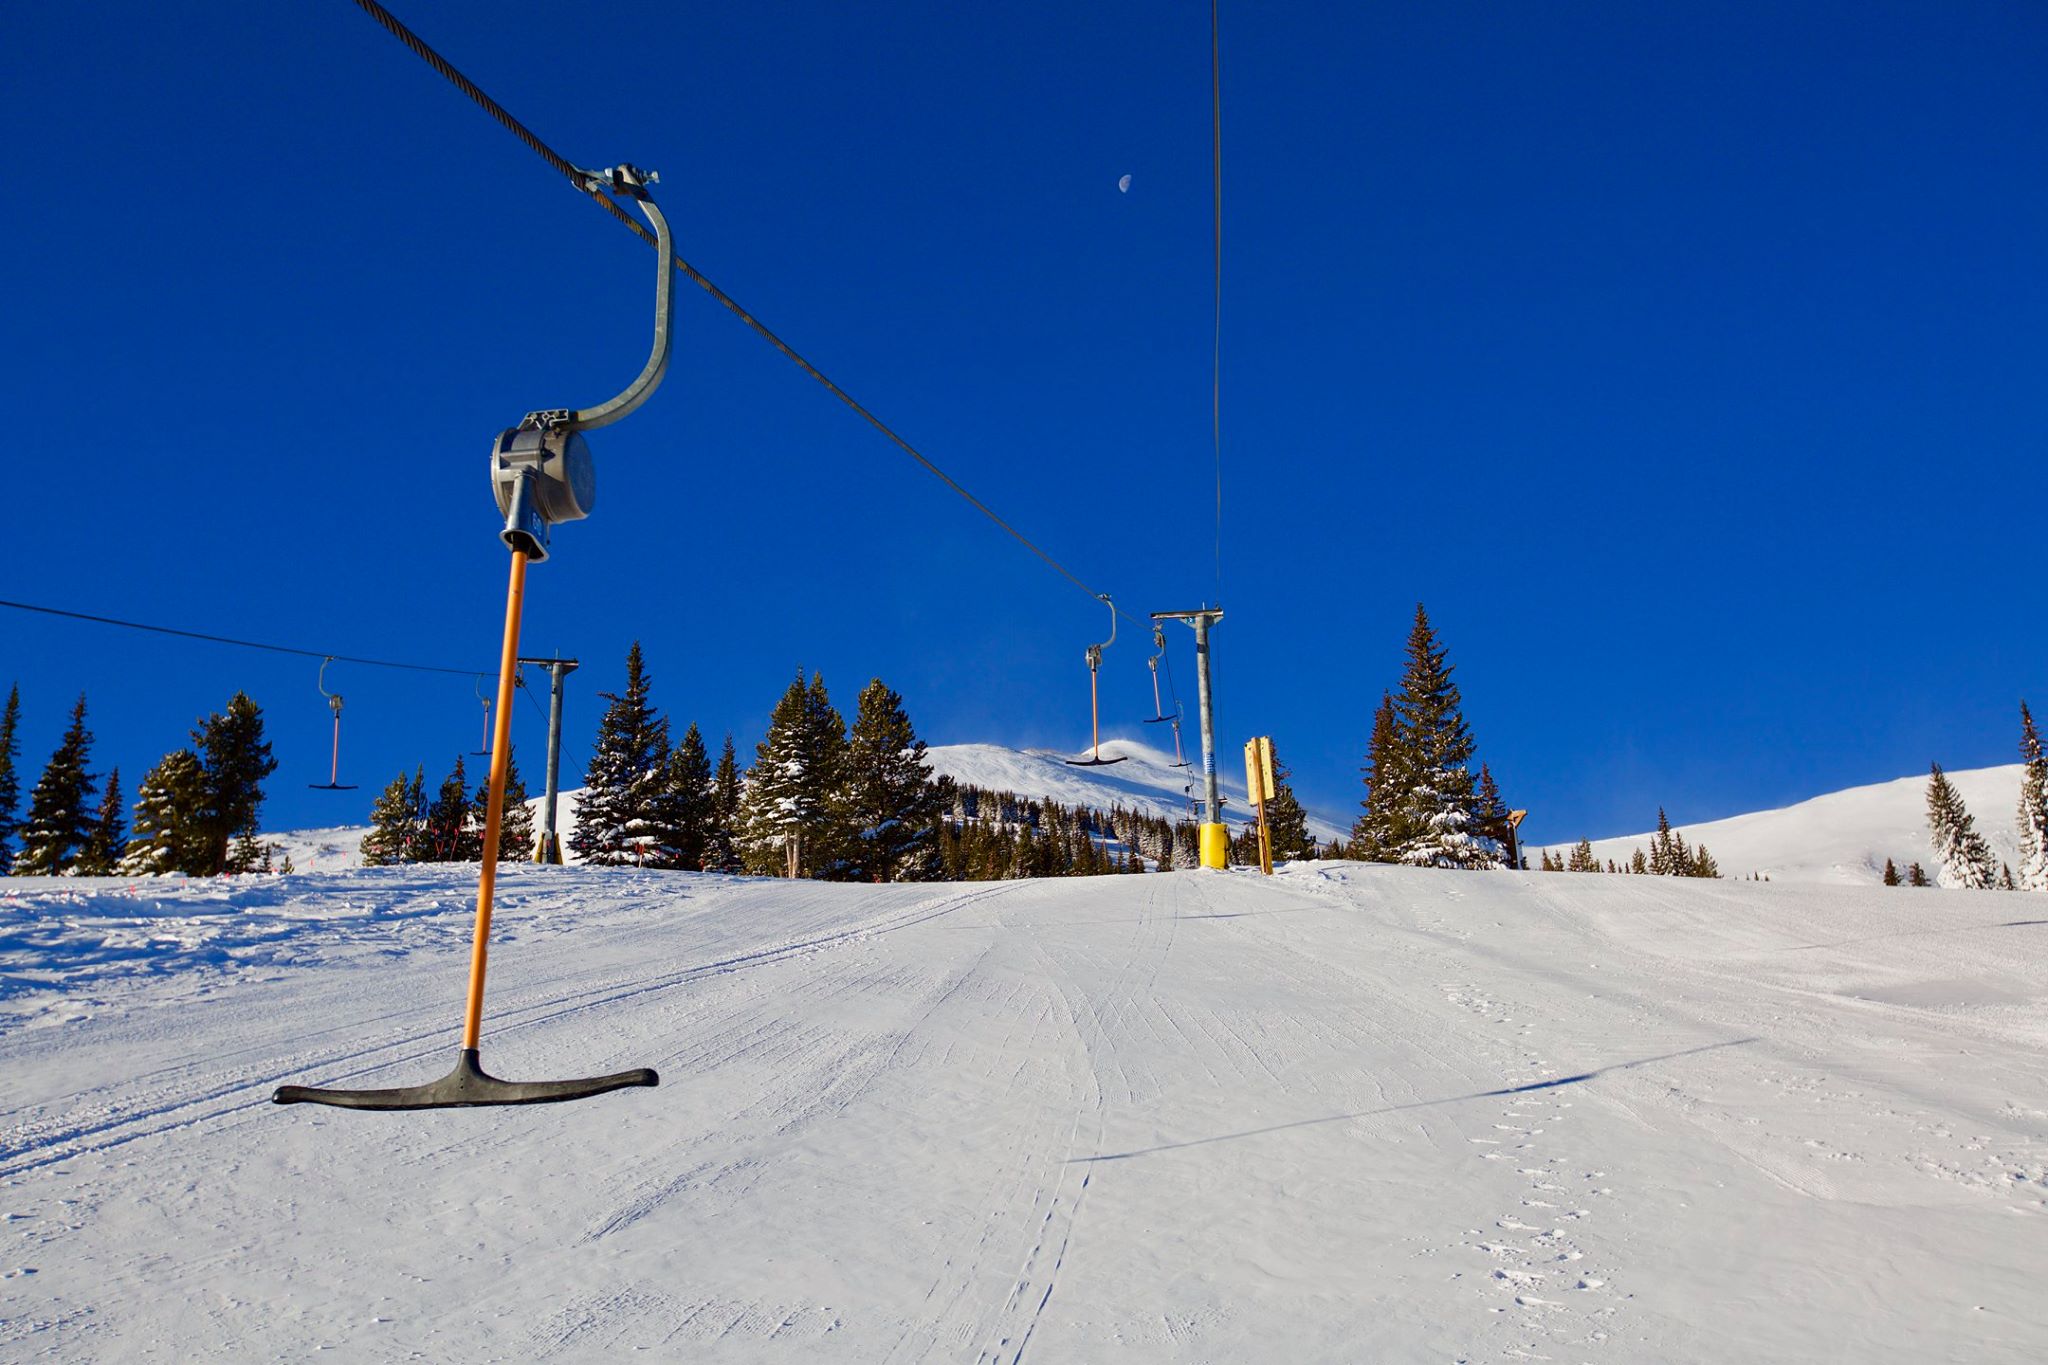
pixel 628 180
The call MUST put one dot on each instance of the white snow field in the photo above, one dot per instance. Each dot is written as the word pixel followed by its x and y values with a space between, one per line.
pixel 1348 1113
pixel 1844 837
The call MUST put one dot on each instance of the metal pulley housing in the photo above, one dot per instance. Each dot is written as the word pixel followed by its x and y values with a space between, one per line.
pixel 541 474
pixel 541 470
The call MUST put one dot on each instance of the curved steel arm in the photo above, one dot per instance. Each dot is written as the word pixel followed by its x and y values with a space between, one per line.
pixel 628 180
pixel 1112 621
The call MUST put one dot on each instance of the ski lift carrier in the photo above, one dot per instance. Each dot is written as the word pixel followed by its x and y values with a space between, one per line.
pixel 542 473
pixel 333 782
pixel 1095 758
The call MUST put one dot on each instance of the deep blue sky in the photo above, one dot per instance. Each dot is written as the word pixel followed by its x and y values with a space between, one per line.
pixel 1687 361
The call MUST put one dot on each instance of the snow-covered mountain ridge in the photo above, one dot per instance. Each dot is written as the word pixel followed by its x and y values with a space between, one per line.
pixel 1146 781
pixel 1843 837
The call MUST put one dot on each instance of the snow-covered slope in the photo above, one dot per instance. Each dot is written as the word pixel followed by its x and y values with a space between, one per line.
pixel 1343 1114
pixel 1845 836
pixel 1146 781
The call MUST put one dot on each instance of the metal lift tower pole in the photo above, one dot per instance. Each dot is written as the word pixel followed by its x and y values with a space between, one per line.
pixel 1215 841
pixel 547 845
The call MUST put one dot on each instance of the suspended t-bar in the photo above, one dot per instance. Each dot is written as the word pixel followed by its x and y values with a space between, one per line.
pixel 541 473
pixel 484 745
pixel 1215 842
pixel 1095 758
pixel 542 469
pixel 1159 716
pixel 333 782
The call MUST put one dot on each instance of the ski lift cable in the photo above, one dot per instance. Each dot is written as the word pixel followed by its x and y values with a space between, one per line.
pixel 589 184
pixel 242 644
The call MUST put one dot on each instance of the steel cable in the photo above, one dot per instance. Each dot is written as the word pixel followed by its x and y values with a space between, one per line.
pixel 582 181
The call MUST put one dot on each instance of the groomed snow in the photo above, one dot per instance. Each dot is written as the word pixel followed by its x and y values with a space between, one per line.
pixel 1346 1114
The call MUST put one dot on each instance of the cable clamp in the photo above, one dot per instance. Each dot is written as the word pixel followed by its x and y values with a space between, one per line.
pixel 625 180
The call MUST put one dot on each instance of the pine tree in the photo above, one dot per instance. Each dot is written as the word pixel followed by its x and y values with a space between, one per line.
pixel 2005 881
pixel 515 819
pixel 10 778
pixel 165 837
pixel 1433 822
pixel 621 814
pixel 791 793
pixel 1703 864
pixel 235 760
pixel 889 801
pixel 1491 815
pixel 1965 858
pixel 395 827
pixel 1661 860
pixel 450 833
pixel 722 840
pixel 690 805
pixel 1916 876
pixel 2033 811
pixel 1638 864
pixel 58 822
pixel 1286 822
pixel 1582 859
pixel 1372 837
pixel 1891 873
pixel 101 855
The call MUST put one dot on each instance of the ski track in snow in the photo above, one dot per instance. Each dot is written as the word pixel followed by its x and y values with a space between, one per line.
pixel 1347 1113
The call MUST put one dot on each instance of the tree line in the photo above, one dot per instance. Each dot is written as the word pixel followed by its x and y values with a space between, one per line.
pixel 1668 857
pixel 821 799
pixel 195 812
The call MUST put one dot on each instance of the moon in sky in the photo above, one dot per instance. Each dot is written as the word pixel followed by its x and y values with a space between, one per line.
pixel 1124 185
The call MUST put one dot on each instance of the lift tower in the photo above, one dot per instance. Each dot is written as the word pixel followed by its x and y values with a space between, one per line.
pixel 1215 842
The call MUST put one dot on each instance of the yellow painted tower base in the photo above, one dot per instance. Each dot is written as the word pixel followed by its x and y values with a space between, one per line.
pixel 1215 846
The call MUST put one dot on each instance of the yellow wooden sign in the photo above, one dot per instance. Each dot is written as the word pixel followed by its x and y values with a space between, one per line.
pixel 1258 769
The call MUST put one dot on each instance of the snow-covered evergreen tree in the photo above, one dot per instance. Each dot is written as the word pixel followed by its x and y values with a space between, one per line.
pixel 1372 836
pixel 59 808
pixel 1492 815
pixel 101 854
pixel 1433 824
pixel 689 804
pixel 620 816
pixel 515 820
pixel 888 799
pixel 790 798
pixel 1965 858
pixel 2033 811
pixel 1286 822
pixel 165 837
pixel 722 837
pixel 235 759
pixel 397 827
pixel 10 776
pixel 452 835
